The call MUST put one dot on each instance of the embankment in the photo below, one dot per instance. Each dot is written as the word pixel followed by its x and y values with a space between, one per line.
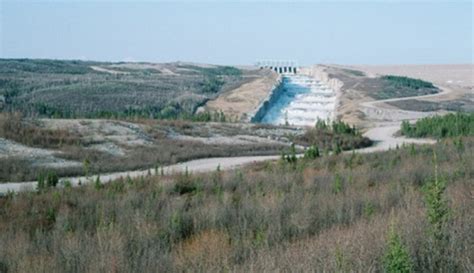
pixel 271 99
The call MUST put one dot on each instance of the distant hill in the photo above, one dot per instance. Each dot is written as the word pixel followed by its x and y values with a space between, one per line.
pixel 70 89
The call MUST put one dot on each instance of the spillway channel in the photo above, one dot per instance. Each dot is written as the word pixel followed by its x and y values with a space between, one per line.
pixel 301 101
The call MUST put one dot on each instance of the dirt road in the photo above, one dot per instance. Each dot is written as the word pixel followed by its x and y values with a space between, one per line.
pixel 199 165
pixel 388 120
pixel 382 133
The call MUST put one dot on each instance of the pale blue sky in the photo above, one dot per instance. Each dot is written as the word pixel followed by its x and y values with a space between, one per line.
pixel 351 32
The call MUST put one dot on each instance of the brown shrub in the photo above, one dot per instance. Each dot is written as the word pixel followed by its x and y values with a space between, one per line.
pixel 208 250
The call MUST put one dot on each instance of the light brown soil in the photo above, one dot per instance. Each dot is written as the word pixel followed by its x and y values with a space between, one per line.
pixel 456 81
pixel 239 103
pixel 457 77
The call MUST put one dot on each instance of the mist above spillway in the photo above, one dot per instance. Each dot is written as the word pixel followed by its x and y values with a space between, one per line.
pixel 302 102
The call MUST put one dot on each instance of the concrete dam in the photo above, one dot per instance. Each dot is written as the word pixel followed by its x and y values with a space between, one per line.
pixel 297 100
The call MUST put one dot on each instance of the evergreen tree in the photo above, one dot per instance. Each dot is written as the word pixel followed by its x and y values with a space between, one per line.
pixel 396 259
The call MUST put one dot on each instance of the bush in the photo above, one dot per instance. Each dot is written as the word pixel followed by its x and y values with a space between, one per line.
pixel 312 152
pixel 185 184
pixel 47 180
pixel 52 179
pixel 336 135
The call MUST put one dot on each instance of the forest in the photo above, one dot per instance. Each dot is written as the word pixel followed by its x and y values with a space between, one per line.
pixel 449 125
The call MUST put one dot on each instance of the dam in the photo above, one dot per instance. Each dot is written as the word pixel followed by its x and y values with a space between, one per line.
pixel 299 100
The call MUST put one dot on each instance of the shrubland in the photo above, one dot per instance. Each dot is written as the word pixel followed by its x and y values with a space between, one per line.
pixel 405 210
pixel 160 144
pixel 73 89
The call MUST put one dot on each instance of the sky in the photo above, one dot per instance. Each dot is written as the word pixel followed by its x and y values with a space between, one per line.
pixel 240 33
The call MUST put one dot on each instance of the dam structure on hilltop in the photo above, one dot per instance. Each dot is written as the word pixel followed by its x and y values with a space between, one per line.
pixel 279 66
pixel 299 99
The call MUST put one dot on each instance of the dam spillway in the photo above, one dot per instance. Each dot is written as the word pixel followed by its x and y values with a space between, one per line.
pixel 301 100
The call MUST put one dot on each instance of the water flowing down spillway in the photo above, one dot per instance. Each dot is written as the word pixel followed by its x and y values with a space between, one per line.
pixel 302 101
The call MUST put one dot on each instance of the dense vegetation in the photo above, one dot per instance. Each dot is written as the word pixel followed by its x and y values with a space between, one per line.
pixel 405 210
pixel 387 87
pixel 72 89
pixel 405 82
pixel 333 136
pixel 450 125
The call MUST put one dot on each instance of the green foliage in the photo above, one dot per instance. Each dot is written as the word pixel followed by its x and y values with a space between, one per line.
pixel 47 180
pixel 337 186
pixel 336 135
pixel 52 179
pixel 312 152
pixel 98 184
pixel 397 258
pixel 321 125
pixel 340 127
pixel 369 209
pixel 291 156
pixel 181 226
pixel 353 72
pixel 450 125
pixel 86 165
pixel 339 257
pixel 41 181
pixel 44 66
pixel 211 85
pixel 399 81
pixel 185 184
pixel 337 148
pixel 437 205
pixel 387 87
pixel 66 183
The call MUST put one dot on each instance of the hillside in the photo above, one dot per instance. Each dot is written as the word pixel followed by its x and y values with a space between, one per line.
pixel 338 213
pixel 73 89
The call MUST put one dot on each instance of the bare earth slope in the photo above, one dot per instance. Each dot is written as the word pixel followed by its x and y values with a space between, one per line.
pixel 239 103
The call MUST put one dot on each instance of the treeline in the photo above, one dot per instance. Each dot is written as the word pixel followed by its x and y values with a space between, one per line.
pixel 389 86
pixel 400 81
pixel 170 112
pixel 450 125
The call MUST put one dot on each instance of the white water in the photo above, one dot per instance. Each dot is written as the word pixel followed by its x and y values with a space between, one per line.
pixel 303 101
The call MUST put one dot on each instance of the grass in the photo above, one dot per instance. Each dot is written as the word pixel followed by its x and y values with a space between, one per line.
pixel 329 214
